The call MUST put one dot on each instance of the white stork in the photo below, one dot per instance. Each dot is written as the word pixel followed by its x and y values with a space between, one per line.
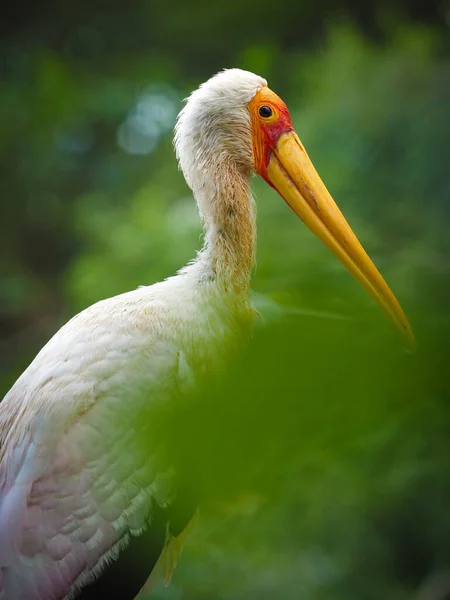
pixel 80 496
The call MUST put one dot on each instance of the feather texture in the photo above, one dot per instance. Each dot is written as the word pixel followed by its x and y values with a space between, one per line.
pixel 80 468
pixel 76 479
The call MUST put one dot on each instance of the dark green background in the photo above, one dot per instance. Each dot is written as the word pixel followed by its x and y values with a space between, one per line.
pixel 324 462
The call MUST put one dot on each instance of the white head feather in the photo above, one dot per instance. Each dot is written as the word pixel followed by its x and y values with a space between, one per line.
pixel 215 126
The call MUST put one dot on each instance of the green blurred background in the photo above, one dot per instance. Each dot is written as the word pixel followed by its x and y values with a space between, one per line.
pixel 325 461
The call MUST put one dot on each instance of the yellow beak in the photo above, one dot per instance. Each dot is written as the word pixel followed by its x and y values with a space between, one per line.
pixel 292 173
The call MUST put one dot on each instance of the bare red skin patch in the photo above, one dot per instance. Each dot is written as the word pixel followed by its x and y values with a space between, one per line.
pixel 266 131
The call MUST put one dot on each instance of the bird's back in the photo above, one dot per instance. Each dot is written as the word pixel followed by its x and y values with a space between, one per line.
pixel 80 471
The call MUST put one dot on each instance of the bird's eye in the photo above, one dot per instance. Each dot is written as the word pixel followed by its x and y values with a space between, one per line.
pixel 265 112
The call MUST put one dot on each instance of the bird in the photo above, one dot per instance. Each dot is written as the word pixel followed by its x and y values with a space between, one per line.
pixel 80 495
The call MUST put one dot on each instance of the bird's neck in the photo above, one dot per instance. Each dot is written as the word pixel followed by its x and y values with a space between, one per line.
pixel 228 209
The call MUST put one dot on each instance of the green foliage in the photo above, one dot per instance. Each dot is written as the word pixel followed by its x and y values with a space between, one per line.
pixel 375 123
pixel 323 463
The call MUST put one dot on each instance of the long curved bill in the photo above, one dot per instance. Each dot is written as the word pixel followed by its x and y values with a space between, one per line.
pixel 293 175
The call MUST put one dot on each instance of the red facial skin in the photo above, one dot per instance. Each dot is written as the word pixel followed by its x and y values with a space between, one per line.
pixel 267 131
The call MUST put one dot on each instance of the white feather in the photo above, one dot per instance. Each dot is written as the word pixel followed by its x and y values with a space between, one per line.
pixel 75 482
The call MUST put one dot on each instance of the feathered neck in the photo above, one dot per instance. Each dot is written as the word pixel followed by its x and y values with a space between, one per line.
pixel 230 227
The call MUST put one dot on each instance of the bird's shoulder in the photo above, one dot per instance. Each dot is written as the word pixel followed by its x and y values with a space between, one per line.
pixel 113 328
pixel 81 414
pixel 116 348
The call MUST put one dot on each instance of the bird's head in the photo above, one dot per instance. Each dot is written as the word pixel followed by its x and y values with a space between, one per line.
pixel 235 117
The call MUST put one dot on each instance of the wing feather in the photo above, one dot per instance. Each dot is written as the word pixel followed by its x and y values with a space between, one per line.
pixel 78 474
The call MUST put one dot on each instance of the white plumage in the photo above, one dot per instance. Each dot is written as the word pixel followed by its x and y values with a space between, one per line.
pixel 74 483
